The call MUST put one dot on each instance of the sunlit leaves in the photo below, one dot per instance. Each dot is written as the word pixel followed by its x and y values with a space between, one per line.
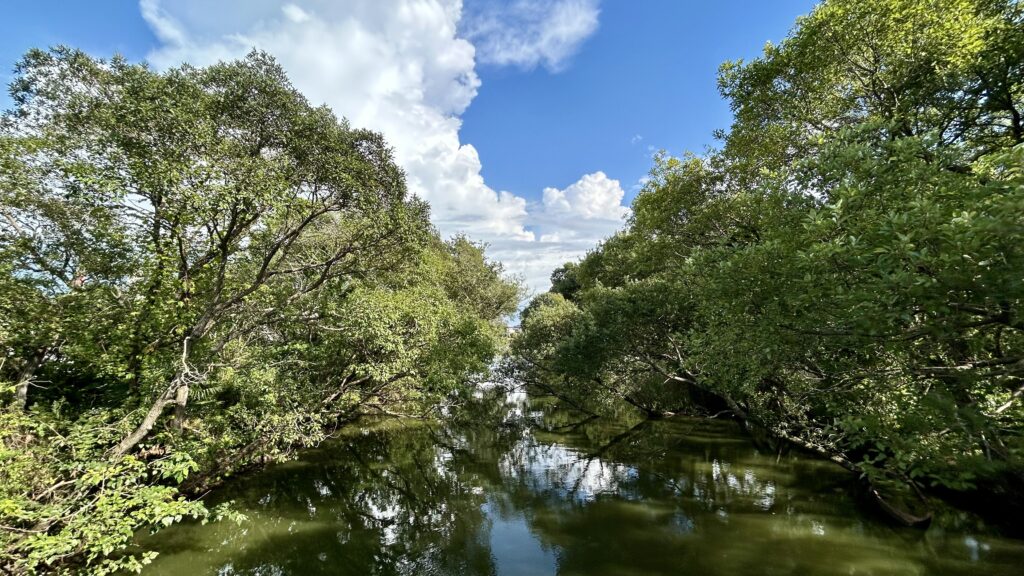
pixel 846 269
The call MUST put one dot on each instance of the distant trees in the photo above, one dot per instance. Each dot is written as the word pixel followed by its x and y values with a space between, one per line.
pixel 846 270
pixel 200 270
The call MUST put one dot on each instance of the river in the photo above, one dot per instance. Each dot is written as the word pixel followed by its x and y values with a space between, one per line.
pixel 512 486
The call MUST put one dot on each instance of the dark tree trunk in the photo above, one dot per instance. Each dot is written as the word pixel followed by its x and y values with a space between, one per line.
pixel 25 378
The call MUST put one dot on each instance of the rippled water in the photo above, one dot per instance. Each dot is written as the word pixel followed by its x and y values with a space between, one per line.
pixel 522 488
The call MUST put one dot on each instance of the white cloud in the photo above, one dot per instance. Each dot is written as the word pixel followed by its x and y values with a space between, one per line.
pixel 294 13
pixel 526 33
pixel 640 183
pixel 594 196
pixel 401 67
pixel 166 30
pixel 568 222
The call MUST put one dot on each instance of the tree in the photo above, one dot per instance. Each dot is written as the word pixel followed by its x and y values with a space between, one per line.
pixel 844 270
pixel 204 239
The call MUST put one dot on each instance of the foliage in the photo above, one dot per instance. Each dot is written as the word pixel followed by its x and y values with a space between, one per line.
pixel 200 271
pixel 845 270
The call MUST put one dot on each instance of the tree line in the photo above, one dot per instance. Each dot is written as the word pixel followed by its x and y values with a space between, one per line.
pixel 844 271
pixel 200 271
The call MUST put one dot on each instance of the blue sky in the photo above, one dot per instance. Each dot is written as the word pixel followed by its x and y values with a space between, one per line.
pixel 527 124
pixel 648 71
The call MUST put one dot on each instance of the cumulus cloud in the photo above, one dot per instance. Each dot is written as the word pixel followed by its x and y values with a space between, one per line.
pixel 593 197
pixel 567 222
pixel 526 33
pixel 403 68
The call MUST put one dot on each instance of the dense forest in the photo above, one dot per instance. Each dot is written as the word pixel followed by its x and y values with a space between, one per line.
pixel 845 272
pixel 200 271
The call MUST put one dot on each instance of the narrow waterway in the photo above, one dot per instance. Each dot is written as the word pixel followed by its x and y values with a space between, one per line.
pixel 517 487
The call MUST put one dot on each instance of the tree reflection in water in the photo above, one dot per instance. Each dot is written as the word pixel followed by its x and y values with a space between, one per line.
pixel 521 487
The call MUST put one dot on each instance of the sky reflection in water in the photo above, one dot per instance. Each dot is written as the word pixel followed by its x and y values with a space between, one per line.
pixel 521 488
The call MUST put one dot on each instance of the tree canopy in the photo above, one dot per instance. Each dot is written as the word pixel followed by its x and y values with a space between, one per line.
pixel 199 270
pixel 845 270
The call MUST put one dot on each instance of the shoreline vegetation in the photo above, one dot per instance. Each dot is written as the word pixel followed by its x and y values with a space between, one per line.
pixel 201 272
pixel 844 273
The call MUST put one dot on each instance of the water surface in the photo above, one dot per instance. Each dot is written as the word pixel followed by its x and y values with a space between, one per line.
pixel 520 487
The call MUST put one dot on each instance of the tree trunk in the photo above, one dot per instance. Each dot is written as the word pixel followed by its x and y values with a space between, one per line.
pixel 21 394
pixel 25 379
pixel 180 401
pixel 175 393
pixel 140 432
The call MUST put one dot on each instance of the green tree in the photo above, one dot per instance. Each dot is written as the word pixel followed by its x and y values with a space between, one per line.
pixel 844 271
pixel 203 239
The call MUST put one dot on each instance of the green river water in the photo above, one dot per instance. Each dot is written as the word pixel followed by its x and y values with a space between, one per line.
pixel 517 487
